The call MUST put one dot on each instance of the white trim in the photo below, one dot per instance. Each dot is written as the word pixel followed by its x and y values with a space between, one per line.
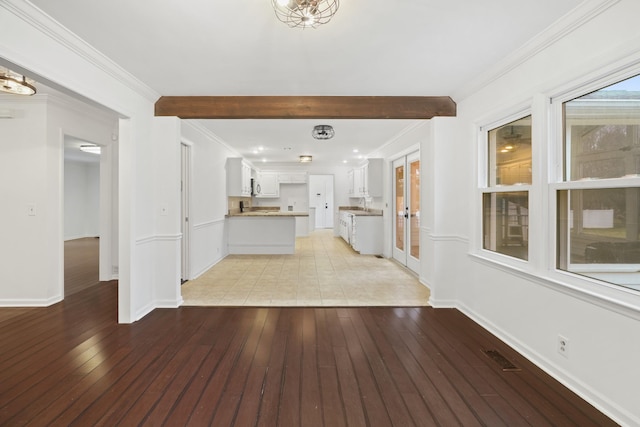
pixel 158 238
pixel 448 238
pixel 169 303
pixel 571 285
pixel 27 303
pixel 36 18
pixel 573 20
pixel 591 395
pixel 207 133
pixel 397 137
pixel 208 223
pixel 144 311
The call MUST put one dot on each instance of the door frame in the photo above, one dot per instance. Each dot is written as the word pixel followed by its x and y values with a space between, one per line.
pixel 330 204
pixel 404 256
pixel 185 210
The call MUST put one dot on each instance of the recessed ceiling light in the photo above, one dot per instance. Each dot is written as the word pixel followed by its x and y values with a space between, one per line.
pixel 305 159
pixel 264 160
pixel 360 156
pixel 90 148
pixel 261 148
pixel 355 150
pixel 255 151
pixel 344 161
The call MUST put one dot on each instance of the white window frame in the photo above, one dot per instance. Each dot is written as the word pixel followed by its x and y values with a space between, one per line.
pixel 593 289
pixel 483 188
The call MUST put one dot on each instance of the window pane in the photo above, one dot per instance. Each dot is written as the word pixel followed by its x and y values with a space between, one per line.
pixel 510 153
pixel 602 132
pixel 599 234
pixel 506 223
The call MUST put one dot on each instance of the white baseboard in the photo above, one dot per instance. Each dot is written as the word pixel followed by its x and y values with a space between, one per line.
pixel 595 398
pixel 30 302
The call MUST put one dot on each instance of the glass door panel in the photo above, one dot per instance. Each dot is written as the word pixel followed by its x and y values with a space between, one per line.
pixel 414 205
pixel 399 210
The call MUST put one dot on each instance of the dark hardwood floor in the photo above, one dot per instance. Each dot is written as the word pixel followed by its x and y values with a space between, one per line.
pixel 72 364
pixel 81 264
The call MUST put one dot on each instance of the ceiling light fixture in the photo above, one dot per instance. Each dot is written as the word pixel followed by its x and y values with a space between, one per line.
pixel 11 82
pixel 305 159
pixel 90 148
pixel 305 13
pixel 323 132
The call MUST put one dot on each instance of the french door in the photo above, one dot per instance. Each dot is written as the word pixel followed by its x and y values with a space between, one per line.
pixel 406 203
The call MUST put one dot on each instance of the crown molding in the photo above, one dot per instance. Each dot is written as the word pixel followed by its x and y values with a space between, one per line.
pixel 48 26
pixel 207 133
pixel 573 20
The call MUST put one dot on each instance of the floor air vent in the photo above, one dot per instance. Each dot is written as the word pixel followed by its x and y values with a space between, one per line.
pixel 504 363
pixel 379 256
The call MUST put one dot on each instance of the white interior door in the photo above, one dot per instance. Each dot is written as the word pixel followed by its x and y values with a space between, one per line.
pixel 185 158
pixel 406 204
pixel 321 197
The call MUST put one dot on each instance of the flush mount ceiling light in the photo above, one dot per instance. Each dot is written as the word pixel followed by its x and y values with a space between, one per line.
pixel 90 148
pixel 15 83
pixel 323 132
pixel 305 13
pixel 305 159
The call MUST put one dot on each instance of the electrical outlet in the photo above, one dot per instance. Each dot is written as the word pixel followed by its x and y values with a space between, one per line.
pixel 563 346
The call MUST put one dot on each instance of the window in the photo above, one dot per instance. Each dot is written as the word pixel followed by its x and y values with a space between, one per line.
pixel 505 201
pixel 599 207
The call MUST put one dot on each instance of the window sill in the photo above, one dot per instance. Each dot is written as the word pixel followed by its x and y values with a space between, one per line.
pixel 608 296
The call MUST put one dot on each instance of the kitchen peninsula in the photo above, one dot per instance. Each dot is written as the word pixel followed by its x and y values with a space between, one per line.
pixel 264 230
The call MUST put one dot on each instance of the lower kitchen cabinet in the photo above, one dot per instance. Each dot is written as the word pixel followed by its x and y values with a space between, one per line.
pixel 366 234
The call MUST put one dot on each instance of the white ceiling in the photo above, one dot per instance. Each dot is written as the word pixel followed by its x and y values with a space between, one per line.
pixel 371 47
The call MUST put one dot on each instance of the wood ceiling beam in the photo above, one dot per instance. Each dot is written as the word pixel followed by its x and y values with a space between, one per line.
pixel 305 107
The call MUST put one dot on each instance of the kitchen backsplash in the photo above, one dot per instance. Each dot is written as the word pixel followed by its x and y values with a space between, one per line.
pixel 295 196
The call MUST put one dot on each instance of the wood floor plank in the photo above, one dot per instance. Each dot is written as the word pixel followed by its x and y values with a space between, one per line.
pixel 375 409
pixel 72 364
pixel 289 405
pixel 464 380
pixel 272 390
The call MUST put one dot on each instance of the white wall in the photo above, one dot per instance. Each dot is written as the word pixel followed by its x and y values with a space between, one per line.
pixel 33 41
pixel 208 197
pixel 32 168
pixel 81 199
pixel 528 304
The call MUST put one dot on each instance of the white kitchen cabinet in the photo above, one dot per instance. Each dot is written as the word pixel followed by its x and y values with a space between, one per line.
pixel 372 178
pixel 366 234
pixel 267 185
pixel 366 180
pixel 292 177
pixel 345 226
pixel 238 177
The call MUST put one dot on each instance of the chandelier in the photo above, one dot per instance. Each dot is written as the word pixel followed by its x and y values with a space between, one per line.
pixel 305 13
pixel 11 82
pixel 323 132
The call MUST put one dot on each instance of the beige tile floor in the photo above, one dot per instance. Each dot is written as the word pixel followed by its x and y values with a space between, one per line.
pixel 324 271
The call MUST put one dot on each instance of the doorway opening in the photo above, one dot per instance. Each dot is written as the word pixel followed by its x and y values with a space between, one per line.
pixel 81 216
pixel 185 192
pixel 406 204
pixel 321 198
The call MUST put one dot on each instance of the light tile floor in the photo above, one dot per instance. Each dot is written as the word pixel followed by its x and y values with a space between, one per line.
pixel 324 271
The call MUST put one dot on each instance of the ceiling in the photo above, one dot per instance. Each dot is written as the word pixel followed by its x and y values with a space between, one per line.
pixel 371 47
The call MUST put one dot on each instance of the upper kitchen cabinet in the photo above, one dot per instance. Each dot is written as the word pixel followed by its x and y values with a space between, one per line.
pixel 238 177
pixel 292 177
pixel 366 180
pixel 267 185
